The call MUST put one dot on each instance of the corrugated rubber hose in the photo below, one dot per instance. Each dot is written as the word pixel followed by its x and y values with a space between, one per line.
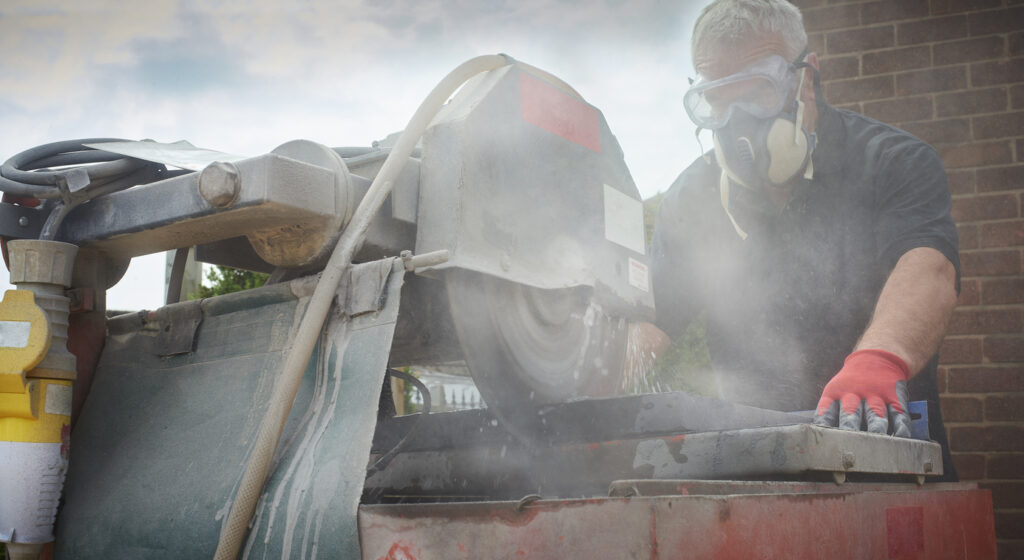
pixel 27 174
pixel 297 355
pixel 82 174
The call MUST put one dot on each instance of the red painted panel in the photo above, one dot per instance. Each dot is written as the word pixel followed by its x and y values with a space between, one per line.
pixel 556 111
pixel 905 531
pixel 934 521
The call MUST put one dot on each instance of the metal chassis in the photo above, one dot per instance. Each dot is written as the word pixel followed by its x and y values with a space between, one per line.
pixel 704 519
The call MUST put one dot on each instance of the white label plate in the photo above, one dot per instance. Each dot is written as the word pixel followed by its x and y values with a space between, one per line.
pixel 14 334
pixel 624 220
pixel 58 399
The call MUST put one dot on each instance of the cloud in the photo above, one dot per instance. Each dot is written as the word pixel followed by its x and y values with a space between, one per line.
pixel 246 76
pixel 184 65
pixel 49 51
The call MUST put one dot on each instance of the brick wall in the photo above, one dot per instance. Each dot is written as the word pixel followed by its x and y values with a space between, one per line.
pixel 952 73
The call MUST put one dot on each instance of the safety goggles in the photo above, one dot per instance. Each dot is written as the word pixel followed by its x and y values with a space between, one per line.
pixel 761 89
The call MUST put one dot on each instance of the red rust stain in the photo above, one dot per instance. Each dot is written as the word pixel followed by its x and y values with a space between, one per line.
pixel 399 551
pixel 724 512
pixel 520 552
pixel 679 437
pixel 462 547
pixel 654 536
pixel 86 335
pixel 65 441
pixel 593 446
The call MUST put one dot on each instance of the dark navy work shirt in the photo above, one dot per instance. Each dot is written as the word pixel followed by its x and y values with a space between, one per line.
pixel 786 305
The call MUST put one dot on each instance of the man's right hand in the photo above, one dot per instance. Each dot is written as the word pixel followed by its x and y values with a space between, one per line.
pixel 871 383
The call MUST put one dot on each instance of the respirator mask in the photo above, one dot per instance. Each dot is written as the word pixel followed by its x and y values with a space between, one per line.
pixel 756 116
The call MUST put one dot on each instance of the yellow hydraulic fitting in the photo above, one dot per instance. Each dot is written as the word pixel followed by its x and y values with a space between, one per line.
pixel 36 375
pixel 31 410
pixel 24 340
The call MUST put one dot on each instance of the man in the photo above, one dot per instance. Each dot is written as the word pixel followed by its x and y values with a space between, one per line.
pixel 817 241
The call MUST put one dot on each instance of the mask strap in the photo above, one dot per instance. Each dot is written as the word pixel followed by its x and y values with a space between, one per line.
pixel 800 62
pixel 800 57
pixel 700 145
pixel 809 171
pixel 723 188
pixel 799 108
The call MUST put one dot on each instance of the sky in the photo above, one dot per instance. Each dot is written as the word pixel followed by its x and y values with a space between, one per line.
pixel 246 76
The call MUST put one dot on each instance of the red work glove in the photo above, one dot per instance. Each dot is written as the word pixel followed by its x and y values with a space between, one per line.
pixel 871 387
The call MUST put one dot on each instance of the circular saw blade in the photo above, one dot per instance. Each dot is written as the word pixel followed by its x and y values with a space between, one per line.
pixel 526 347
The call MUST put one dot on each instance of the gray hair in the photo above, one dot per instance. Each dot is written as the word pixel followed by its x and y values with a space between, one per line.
pixel 733 20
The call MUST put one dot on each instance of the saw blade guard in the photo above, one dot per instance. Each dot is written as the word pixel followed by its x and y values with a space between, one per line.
pixel 523 183
pixel 521 179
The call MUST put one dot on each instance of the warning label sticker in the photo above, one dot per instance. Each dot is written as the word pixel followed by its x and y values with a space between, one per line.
pixel 638 275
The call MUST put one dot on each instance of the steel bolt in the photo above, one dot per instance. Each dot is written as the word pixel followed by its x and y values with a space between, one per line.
pixel 848 460
pixel 23 221
pixel 219 184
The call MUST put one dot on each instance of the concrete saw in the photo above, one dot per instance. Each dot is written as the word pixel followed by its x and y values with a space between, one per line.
pixel 527 347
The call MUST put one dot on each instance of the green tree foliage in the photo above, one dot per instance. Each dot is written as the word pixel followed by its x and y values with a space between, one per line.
pixel 408 391
pixel 685 365
pixel 224 280
pixel 650 214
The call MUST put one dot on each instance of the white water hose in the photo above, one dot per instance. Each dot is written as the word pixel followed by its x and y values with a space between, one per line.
pixel 298 354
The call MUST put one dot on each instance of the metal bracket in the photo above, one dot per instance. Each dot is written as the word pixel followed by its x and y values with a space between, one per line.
pixel 367 283
pixel 82 299
pixel 365 290
pixel 21 222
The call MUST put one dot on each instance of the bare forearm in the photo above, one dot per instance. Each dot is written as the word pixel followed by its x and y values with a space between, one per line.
pixel 915 305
